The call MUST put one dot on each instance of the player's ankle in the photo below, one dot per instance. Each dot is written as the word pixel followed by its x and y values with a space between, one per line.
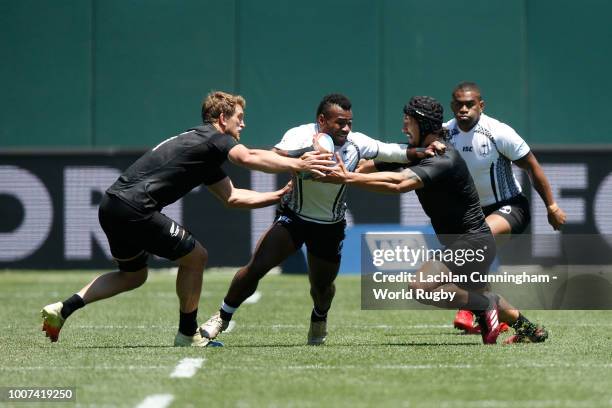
pixel 227 311
pixel 188 324
pixel 318 315
pixel 71 305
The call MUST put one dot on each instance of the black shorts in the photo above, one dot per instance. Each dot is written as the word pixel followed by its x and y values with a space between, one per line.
pixel 322 240
pixel 515 210
pixel 133 234
pixel 482 245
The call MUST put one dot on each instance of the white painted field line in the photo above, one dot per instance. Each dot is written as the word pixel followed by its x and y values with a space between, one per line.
pixel 156 401
pixel 315 367
pixel 254 298
pixel 187 368
pixel 87 368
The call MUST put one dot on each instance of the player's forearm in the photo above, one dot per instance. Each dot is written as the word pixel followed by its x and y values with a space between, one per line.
pixel 382 182
pixel 366 166
pixel 541 185
pixel 241 198
pixel 392 153
pixel 400 153
pixel 270 162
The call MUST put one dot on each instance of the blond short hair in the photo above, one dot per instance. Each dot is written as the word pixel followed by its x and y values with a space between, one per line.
pixel 218 102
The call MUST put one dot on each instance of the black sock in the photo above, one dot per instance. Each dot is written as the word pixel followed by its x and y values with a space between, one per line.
pixel 71 305
pixel 477 303
pixel 226 311
pixel 225 315
pixel 188 324
pixel 317 315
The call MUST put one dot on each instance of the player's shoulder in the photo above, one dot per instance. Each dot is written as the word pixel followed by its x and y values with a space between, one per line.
pixel 450 158
pixel 452 128
pixel 305 130
pixel 495 126
pixel 450 124
pixel 297 137
pixel 360 139
pixel 205 129
pixel 205 133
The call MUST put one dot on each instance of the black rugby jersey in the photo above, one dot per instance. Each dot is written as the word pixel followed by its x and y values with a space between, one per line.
pixel 173 168
pixel 449 197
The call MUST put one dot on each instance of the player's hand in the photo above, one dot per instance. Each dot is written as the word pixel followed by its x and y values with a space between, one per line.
pixel 337 174
pixel 419 153
pixel 437 147
pixel 556 216
pixel 287 188
pixel 316 163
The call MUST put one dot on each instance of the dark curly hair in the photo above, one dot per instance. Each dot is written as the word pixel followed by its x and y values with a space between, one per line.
pixel 429 114
pixel 333 99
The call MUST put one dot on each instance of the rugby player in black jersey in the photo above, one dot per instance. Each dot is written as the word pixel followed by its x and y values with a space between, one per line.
pixel 130 210
pixel 447 193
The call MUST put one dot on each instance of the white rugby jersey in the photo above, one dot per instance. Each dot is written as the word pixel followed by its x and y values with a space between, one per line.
pixel 322 202
pixel 489 149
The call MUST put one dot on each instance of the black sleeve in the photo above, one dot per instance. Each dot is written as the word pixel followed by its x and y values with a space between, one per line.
pixel 383 166
pixel 223 143
pixel 213 176
pixel 432 168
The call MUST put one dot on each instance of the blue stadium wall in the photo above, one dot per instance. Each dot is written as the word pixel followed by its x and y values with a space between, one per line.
pixel 128 73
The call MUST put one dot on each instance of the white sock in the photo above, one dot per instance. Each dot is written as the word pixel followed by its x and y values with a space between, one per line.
pixel 228 309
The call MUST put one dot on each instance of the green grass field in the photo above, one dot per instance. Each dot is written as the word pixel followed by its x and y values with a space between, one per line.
pixel 118 352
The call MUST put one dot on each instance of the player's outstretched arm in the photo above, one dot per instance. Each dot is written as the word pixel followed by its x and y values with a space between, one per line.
pixel 386 181
pixel 398 153
pixel 381 182
pixel 366 166
pixel 529 163
pixel 233 197
pixel 270 162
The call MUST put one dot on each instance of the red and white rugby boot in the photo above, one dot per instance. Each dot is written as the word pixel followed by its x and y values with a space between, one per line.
pixel 464 320
pixel 489 322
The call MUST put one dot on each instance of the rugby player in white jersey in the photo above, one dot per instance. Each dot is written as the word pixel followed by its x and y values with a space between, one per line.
pixel 489 147
pixel 448 196
pixel 311 214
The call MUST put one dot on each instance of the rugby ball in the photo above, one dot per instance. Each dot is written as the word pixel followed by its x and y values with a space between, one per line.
pixel 323 143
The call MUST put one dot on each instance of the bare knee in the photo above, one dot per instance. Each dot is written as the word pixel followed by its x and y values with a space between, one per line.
pixel 196 259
